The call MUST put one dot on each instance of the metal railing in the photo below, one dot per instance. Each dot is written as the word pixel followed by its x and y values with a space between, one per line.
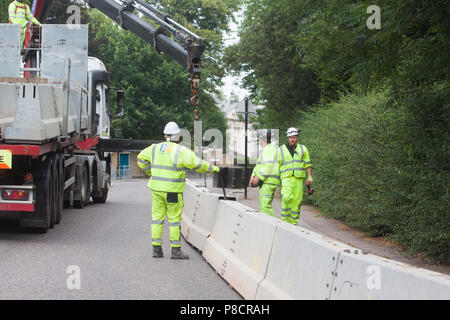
pixel 123 173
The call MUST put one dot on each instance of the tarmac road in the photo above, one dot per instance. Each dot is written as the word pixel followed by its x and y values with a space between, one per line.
pixel 110 245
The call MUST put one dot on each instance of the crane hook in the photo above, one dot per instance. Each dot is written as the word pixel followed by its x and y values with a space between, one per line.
pixel 195 100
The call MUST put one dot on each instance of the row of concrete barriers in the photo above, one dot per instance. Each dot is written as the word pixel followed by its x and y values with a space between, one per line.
pixel 262 257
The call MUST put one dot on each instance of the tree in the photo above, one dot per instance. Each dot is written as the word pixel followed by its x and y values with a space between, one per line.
pixel 4 10
pixel 57 13
pixel 167 85
pixel 327 45
pixel 266 54
pixel 156 87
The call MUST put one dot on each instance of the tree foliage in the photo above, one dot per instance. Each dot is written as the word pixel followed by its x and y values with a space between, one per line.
pixel 156 88
pixel 265 53
pixel 374 103
pixel 208 19
pixel 57 13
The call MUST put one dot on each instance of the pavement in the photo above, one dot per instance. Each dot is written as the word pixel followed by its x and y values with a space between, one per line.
pixel 312 219
pixel 106 250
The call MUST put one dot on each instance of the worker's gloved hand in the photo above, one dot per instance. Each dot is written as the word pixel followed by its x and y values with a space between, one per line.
pixel 216 169
pixel 254 181
pixel 310 179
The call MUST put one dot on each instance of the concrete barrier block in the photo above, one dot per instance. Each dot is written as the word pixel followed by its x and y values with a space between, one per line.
pixel 372 277
pixel 239 245
pixel 191 197
pixel 301 265
pixel 203 219
pixel 198 214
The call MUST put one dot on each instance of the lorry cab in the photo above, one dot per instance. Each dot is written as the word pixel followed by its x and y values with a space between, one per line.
pixel 98 77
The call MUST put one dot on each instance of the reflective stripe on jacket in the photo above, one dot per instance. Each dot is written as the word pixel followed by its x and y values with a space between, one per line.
pixel 20 13
pixel 167 163
pixel 268 166
pixel 294 166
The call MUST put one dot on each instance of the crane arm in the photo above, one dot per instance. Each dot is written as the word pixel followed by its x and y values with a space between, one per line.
pixel 170 38
pixel 186 48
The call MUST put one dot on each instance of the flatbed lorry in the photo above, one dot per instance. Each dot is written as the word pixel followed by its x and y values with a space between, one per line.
pixel 48 125
pixel 55 109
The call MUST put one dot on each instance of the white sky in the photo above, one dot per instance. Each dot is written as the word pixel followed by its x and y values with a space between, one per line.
pixel 229 82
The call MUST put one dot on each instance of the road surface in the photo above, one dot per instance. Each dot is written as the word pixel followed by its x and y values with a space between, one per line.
pixel 105 251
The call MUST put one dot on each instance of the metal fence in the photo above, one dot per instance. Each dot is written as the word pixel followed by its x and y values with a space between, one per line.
pixel 123 172
pixel 193 175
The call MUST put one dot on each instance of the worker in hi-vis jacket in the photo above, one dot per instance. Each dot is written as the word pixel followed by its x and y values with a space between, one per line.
pixel 166 164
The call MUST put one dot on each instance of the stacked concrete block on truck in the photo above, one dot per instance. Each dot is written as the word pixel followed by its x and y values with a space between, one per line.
pixel 52 114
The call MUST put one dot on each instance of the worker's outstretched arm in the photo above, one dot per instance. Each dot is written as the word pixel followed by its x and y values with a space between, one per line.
pixel 31 18
pixel 144 160
pixel 191 161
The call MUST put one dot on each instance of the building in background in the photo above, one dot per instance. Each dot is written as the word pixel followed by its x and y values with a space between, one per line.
pixel 235 148
pixel 124 165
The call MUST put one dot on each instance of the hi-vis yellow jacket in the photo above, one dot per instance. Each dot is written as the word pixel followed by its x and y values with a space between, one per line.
pixel 268 167
pixel 167 162
pixel 20 13
pixel 296 165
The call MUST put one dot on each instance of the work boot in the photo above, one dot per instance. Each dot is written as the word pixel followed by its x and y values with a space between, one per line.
pixel 178 254
pixel 157 252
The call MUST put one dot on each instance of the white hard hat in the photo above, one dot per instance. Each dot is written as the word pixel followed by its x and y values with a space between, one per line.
pixel 171 128
pixel 292 132
pixel 265 134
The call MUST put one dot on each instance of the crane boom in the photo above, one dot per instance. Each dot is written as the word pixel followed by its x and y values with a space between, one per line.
pixel 188 53
pixel 186 49
pixel 170 38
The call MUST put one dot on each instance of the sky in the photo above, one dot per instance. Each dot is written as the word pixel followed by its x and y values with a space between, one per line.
pixel 230 84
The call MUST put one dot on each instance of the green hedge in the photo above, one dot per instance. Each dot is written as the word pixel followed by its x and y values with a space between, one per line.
pixel 372 170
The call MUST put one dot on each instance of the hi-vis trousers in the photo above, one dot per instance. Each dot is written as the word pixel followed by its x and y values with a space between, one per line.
pixel 291 199
pixel 170 204
pixel 266 193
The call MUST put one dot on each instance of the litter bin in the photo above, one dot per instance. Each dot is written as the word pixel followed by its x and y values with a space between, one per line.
pixel 233 177
pixel 217 181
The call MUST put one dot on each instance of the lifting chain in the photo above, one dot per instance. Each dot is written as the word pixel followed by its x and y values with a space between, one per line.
pixel 195 99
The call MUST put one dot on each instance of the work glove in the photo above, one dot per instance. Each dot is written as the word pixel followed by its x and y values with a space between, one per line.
pixel 216 169
pixel 254 181
pixel 310 179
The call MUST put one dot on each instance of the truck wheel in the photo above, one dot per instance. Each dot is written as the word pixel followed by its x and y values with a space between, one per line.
pixel 79 204
pixel 43 197
pixel 60 188
pixel 89 187
pixel 54 191
pixel 102 198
